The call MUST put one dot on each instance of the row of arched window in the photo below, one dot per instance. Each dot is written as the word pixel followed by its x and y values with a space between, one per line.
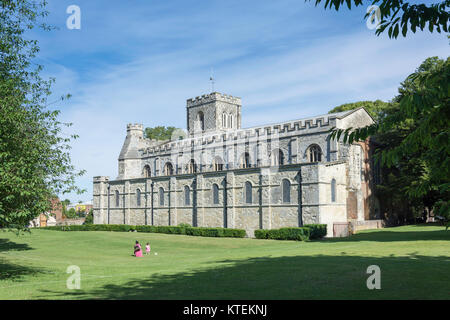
pixel 247 193
pixel 276 159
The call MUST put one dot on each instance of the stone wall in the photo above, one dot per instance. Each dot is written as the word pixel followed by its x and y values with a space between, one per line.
pixel 163 200
pixel 268 208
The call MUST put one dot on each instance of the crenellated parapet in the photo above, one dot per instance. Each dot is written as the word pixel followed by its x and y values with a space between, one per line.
pixel 215 96
pixel 280 130
pixel 135 126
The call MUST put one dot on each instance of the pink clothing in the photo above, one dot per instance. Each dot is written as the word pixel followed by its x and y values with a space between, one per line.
pixel 147 248
pixel 138 253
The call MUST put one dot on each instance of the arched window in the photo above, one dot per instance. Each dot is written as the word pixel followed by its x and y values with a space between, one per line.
pixel 286 191
pixel 215 194
pixel 117 196
pixel 147 171
pixel 230 121
pixel 314 153
pixel 161 196
pixel 218 164
pixel 224 120
pixel 168 169
pixel 333 190
pixel 201 120
pixel 138 197
pixel 277 157
pixel 187 196
pixel 245 160
pixel 192 166
pixel 248 192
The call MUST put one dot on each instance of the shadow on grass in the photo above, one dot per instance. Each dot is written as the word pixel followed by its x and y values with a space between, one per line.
pixel 297 277
pixel 9 270
pixel 386 235
pixel 7 245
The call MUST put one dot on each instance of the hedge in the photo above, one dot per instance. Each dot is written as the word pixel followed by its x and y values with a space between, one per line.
pixel 307 232
pixel 182 229
pixel 317 231
pixel 299 234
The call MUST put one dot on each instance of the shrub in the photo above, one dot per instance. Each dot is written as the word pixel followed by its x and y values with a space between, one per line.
pixel 181 229
pixel 317 231
pixel 298 234
pixel 261 234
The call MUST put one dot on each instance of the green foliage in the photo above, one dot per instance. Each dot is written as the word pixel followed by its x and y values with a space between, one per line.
pixel 298 234
pixel 317 231
pixel 159 133
pixel 442 208
pixel 89 217
pixel 400 16
pixel 35 163
pixel 374 108
pixel 307 232
pixel 184 229
pixel 414 131
pixel 71 213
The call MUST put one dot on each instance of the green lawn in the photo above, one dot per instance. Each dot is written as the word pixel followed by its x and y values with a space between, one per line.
pixel 414 262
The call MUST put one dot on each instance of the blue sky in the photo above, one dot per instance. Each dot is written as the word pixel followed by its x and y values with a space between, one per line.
pixel 137 61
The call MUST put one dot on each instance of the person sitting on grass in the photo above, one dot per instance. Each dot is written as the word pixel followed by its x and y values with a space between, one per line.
pixel 147 248
pixel 137 249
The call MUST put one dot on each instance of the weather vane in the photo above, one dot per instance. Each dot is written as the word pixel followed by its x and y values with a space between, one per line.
pixel 211 78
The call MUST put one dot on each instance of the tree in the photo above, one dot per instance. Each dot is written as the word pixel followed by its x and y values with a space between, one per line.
pixel 374 108
pixel 414 135
pixel 159 133
pixel 35 163
pixel 400 14
pixel 71 214
pixel 89 217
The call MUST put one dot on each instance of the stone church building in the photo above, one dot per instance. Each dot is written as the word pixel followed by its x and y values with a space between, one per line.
pixel 218 174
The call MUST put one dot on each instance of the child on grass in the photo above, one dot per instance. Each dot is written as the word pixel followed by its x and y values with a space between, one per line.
pixel 147 248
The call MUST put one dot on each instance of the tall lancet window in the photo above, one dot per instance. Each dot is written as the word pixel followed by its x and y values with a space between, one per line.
pixel 138 197
pixel 248 192
pixel 187 196
pixel 286 191
pixel 224 120
pixel 333 190
pixel 117 196
pixel 215 194
pixel 201 120
pixel 161 196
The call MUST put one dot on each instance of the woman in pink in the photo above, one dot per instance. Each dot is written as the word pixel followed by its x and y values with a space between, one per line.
pixel 137 249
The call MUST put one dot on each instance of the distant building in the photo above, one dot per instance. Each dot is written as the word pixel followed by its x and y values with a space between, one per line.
pixel 44 220
pixel 57 209
pixel 83 207
pixel 50 218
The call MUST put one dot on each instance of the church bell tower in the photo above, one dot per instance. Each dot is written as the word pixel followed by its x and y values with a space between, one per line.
pixel 213 112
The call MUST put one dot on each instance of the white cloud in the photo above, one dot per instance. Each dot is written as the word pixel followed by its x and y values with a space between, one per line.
pixel 287 82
